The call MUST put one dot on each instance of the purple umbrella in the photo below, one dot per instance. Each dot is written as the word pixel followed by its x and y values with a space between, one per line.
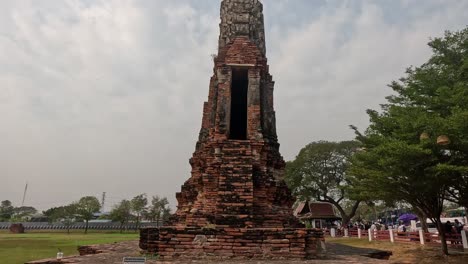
pixel 407 217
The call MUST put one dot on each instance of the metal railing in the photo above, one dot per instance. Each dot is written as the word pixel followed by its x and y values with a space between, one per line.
pixel 77 226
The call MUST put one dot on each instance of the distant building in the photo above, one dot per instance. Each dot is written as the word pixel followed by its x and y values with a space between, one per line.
pixel 317 214
pixel 100 215
pixel 100 221
pixel 37 218
pixel 458 212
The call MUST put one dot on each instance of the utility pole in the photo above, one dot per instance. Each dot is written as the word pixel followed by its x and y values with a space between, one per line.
pixel 24 193
pixel 103 200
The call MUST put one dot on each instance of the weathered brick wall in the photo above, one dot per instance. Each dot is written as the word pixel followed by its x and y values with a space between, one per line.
pixel 233 184
pixel 236 203
pixel 17 228
pixel 237 183
pixel 242 17
pixel 238 243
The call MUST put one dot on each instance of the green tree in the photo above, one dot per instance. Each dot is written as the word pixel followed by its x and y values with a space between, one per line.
pixel 166 214
pixel 52 214
pixel 86 208
pixel 158 210
pixel 396 170
pixel 319 173
pixel 366 211
pixel 416 148
pixel 64 214
pixel 122 213
pixel 68 215
pixel 139 203
pixel 22 213
pixel 6 210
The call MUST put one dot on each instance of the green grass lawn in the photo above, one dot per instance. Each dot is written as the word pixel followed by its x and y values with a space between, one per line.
pixel 20 248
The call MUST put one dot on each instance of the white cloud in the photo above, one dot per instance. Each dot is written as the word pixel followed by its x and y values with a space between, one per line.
pixel 107 96
pixel 97 97
pixel 337 65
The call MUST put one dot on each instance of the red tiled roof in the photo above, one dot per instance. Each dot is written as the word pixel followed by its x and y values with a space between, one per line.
pixel 317 210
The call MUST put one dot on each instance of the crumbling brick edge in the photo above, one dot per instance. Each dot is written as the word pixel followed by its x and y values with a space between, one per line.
pixel 232 243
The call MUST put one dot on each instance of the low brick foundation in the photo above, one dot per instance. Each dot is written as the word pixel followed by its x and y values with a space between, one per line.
pixel 232 243
pixel 17 228
pixel 90 250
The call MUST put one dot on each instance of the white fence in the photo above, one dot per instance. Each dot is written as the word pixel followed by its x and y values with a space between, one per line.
pixel 455 241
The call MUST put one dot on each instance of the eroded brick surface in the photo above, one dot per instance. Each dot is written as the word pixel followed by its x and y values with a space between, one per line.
pixel 236 203
pixel 237 183
pixel 232 243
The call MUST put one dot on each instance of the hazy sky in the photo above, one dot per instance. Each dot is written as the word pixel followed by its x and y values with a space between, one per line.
pixel 107 95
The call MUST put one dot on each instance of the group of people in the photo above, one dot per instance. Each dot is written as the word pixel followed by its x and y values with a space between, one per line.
pixel 368 225
pixel 450 228
pixel 454 228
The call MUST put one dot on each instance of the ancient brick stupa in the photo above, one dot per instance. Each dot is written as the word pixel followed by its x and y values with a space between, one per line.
pixel 237 168
pixel 236 203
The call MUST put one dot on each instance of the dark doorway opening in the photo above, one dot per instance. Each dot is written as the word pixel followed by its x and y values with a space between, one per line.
pixel 239 88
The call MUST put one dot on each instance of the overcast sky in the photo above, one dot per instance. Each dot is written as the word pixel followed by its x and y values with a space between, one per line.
pixel 107 95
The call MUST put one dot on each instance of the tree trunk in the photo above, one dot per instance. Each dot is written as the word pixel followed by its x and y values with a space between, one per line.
pixel 68 229
pixel 121 227
pixel 137 222
pixel 375 213
pixel 422 219
pixel 443 238
pixel 346 217
pixel 345 220
pixel 86 227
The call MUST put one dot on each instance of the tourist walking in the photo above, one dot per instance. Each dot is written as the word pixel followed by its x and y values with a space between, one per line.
pixel 458 226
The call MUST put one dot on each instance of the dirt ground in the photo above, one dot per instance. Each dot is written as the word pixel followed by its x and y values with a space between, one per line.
pixel 338 251
pixel 405 253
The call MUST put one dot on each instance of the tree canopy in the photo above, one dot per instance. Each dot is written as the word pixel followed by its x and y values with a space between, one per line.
pixel 66 214
pixel 122 213
pixel 319 173
pixel 158 210
pixel 6 210
pixel 86 207
pixel 138 205
pixel 416 147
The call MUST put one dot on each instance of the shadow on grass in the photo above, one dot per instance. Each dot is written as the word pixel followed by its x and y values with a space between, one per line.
pixel 336 249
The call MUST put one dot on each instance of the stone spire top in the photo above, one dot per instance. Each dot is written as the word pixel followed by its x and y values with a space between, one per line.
pixel 242 18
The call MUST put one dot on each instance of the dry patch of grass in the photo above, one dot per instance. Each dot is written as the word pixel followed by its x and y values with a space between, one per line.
pixel 19 248
pixel 406 253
